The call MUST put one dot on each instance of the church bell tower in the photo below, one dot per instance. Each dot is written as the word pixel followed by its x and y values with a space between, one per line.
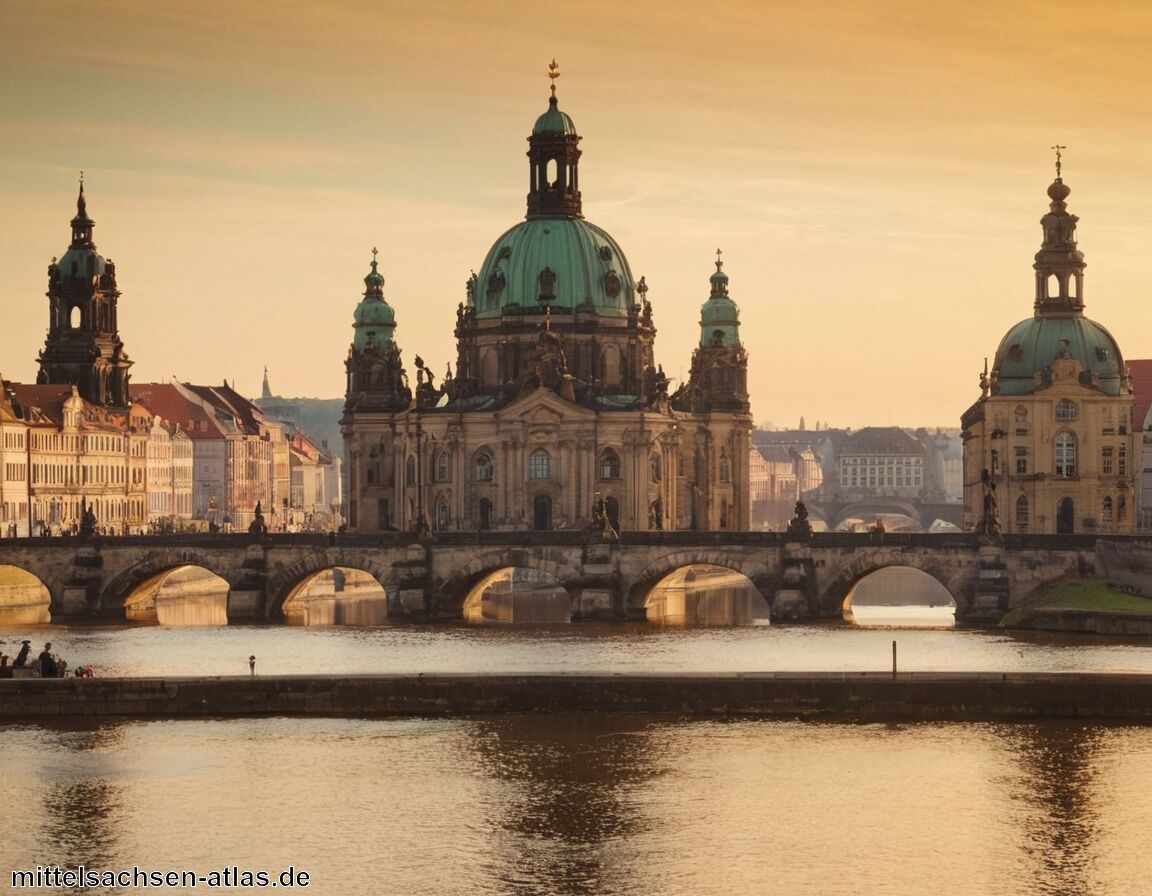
pixel 83 347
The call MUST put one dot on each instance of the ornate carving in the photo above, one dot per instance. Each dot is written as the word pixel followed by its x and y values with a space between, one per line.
pixel 612 284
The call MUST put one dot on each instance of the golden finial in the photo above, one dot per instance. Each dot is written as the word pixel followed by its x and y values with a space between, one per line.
pixel 553 73
pixel 548 318
pixel 719 262
pixel 1058 147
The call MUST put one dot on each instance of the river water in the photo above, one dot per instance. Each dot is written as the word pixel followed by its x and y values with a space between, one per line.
pixel 573 805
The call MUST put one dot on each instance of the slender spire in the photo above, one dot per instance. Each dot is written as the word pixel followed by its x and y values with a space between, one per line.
pixel 553 74
pixel 1059 264
pixel 266 391
pixel 82 224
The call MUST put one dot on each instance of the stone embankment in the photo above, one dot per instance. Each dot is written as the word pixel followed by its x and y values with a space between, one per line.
pixel 836 696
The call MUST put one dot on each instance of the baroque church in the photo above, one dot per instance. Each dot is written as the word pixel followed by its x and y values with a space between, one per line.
pixel 1049 445
pixel 557 415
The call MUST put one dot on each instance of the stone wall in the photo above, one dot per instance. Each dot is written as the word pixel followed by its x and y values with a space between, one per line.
pixel 844 696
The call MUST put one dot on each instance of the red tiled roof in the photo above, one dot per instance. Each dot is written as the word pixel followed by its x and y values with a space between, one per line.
pixel 164 400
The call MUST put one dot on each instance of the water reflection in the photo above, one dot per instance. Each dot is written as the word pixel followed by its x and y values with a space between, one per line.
pixel 564 800
pixel 1058 766
pixel 83 807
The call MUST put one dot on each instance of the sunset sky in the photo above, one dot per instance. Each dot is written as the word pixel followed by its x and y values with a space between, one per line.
pixel 874 172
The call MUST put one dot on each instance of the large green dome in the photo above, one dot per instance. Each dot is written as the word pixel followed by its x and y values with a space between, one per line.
pixel 569 261
pixel 1031 345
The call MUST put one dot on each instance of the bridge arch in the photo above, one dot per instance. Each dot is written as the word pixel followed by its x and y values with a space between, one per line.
pixel 638 591
pixel 25 598
pixel 956 575
pixel 455 589
pixel 149 572
pixel 286 581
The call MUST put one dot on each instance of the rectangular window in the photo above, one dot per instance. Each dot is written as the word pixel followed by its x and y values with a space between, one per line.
pixel 1122 460
pixel 1106 460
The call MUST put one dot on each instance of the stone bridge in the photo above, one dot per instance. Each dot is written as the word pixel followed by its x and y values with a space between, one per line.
pixel 804 580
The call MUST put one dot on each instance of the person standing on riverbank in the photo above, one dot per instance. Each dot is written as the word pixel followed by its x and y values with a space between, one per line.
pixel 47 662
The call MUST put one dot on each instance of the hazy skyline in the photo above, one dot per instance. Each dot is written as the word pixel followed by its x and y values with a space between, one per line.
pixel 875 174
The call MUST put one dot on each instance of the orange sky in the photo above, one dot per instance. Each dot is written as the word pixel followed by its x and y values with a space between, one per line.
pixel 874 172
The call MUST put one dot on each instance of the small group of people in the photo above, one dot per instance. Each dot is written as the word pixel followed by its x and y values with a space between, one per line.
pixel 47 663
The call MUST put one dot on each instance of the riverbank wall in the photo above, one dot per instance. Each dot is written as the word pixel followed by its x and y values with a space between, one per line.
pixel 1081 622
pixel 909 696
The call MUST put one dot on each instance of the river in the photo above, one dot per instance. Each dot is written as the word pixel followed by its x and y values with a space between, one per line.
pixel 571 805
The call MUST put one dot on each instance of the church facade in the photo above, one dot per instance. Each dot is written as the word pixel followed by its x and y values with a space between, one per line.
pixel 1049 446
pixel 558 413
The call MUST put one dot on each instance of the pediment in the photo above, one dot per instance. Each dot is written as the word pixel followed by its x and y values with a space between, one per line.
pixel 544 407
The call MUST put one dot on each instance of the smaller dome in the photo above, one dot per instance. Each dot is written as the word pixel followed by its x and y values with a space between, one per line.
pixel 374 312
pixel 719 316
pixel 554 121
pixel 373 320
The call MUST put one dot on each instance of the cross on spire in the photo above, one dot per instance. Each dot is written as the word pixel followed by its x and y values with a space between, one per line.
pixel 719 261
pixel 1058 147
pixel 553 74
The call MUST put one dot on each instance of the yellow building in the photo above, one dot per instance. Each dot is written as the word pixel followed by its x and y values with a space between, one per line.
pixel 1049 445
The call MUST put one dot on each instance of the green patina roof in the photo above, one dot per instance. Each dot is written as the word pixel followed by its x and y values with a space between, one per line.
pixel 554 121
pixel 1032 344
pixel 719 314
pixel 89 263
pixel 588 265
pixel 374 320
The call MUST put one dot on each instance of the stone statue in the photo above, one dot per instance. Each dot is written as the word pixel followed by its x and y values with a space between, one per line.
pixel 87 522
pixel 258 526
pixel 798 526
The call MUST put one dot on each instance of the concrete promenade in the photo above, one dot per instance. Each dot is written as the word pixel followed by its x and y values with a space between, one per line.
pixel 871 696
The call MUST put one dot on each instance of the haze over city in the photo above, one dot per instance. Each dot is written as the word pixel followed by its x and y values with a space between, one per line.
pixel 873 173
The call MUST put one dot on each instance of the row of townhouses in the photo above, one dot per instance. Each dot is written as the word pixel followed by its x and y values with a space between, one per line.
pixel 178 457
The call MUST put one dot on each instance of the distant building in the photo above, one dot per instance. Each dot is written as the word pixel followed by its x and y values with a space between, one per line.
pixel 881 460
pixel 1049 444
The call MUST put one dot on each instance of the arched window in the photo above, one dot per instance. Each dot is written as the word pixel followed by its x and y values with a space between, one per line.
pixel 995 462
pixel 443 466
pixel 1106 512
pixel 1066 410
pixel 410 470
pixel 483 467
pixel 609 465
pixel 725 467
pixel 539 465
pixel 610 366
pixel 1022 514
pixel 443 515
pixel 1053 287
pixel 1065 450
pixel 655 467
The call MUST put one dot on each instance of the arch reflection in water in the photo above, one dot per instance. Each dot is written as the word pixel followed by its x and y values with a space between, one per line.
pixel 900 596
pixel 181 596
pixel 337 596
pixel 24 600
pixel 703 594
pixel 518 595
